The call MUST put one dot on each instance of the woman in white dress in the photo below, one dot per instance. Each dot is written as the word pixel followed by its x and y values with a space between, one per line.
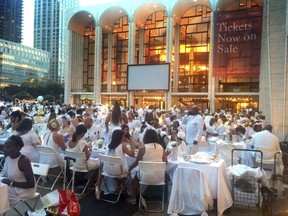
pixel 151 151
pixel 78 144
pixel 54 140
pixel 115 119
pixel 30 139
pixel 67 129
pixel 118 148
pixel 17 172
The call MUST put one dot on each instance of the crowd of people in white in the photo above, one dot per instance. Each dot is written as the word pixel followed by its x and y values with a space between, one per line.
pixel 77 128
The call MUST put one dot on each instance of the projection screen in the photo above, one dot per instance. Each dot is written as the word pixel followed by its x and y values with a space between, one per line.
pixel 148 77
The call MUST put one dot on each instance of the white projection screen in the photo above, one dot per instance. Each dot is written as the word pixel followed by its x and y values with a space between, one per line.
pixel 148 77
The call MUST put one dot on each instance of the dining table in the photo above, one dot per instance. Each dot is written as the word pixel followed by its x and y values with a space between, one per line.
pixel 4 135
pixel 216 175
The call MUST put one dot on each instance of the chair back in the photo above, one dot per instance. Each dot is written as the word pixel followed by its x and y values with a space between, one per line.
pixel 224 152
pixel 268 154
pixel 152 173
pixel 112 165
pixel 78 159
pixel 40 169
pixel 110 159
pixel 48 156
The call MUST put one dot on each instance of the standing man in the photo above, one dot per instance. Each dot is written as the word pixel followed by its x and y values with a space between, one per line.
pixel 194 130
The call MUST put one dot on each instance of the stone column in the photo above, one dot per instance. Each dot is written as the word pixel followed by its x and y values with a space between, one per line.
pixel 211 79
pixel 176 59
pixel 97 65
pixel 169 51
pixel 131 55
pixel 273 69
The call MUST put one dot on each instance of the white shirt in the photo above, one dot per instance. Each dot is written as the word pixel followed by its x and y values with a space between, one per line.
pixel 194 129
pixel 265 139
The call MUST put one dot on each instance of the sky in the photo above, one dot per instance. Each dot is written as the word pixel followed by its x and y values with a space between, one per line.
pixel 28 18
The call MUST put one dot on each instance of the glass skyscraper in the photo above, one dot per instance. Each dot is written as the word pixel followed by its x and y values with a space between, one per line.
pixel 11 12
pixel 50 33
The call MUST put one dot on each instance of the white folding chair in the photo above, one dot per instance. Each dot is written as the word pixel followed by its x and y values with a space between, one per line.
pixel 190 193
pixel 268 159
pixel 48 156
pixel 116 163
pixel 224 152
pixel 151 173
pixel 76 158
pixel 2 158
pixel 39 170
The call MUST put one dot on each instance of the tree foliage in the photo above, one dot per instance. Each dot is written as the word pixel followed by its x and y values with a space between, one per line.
pixel 32 88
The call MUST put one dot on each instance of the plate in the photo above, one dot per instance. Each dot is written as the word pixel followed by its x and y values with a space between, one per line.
pixel 200 160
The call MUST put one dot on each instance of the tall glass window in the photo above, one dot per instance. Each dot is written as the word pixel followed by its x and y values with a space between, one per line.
pixel 104 76
pixel 155 38
pixel 88 57
pixel 194 50
pixel 120 54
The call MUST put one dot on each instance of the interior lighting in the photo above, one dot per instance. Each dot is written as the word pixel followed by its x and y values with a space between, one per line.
pixel 155 6
pixel 120 11
pixel 89 15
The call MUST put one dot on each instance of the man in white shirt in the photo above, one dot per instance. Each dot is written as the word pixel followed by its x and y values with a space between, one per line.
pixel 194 130
pixel 92 129
pixel 266 142
pixel 266 139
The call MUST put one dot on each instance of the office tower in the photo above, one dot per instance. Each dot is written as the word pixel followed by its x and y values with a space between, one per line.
pixel 11 12
pixel 50 33
pixel 19 63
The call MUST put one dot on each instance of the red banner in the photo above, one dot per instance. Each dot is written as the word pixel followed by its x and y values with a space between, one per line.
pixel 237 43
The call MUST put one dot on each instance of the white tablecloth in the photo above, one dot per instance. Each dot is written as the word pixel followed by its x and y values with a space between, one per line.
pixel 4 137
pixel 216 175
pixel 4 199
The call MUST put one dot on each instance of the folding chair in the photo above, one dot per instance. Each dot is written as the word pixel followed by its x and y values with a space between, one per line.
pixel 48 156
pixel 151 173
pixel 116 163
pixel 268 159
pixel 2 158
pixel 40 170
pixel 76 158
pixel 224 152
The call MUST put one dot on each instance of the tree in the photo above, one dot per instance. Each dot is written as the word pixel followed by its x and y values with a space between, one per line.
pixel 33 89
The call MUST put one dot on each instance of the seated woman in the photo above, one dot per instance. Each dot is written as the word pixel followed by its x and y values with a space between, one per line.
pixel 78 144
pixel 118 148
pixel 67 129
pixel 15 119
pixel 18 172
pixel 151 151
pixel 54 140
pixel 30 139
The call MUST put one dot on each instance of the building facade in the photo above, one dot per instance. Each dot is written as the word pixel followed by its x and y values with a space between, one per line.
pixel 223 54
pixel 19 63
pixel 11 13
pixel 50 34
